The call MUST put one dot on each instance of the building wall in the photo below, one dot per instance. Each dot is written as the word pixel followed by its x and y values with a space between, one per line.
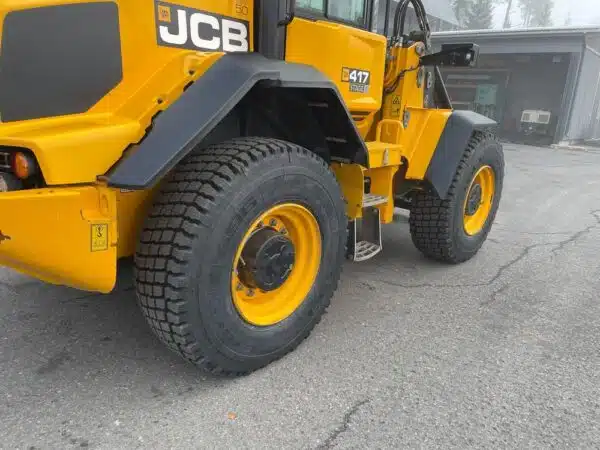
pixel 536 82
pixel 503 86
pixel 584 120
pixel 570 90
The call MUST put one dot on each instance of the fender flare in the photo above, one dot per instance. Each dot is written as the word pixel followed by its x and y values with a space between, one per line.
pixel 457 133
pixel 183 126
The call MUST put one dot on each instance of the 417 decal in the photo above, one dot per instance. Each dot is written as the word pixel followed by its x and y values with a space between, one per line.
pixel 358 80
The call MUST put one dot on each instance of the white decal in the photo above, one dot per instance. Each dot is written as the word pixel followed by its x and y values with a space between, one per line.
pixel 179 26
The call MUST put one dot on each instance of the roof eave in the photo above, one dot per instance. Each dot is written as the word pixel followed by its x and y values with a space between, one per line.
pixel 520 32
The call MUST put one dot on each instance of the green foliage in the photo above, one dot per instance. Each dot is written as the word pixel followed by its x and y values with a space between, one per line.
pixel 461 9
pixel 480 15
pixel 536 13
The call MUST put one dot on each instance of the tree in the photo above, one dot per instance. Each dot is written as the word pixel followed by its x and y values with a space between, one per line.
pixel 569 20
pixel 542 14
pixel 480 15
pixel 506 23
pixel 536 12
pixel 461 9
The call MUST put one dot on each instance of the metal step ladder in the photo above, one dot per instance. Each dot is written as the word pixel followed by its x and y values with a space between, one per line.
pixel 365 233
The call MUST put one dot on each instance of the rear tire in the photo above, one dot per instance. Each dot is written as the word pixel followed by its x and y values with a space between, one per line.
pixel 444 230
pixel 185 270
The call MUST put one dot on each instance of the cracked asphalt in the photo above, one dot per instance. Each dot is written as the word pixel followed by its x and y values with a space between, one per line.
pixel 500 352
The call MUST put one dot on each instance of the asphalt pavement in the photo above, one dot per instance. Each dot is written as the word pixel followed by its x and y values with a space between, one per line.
pixel 500 352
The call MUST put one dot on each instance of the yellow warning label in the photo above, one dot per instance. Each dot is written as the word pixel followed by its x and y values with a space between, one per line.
pixel 164 13
pixel 345 75
pixel 99 237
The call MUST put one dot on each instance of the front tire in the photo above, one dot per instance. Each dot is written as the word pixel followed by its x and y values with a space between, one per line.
pixel 241 253
pixel 453 230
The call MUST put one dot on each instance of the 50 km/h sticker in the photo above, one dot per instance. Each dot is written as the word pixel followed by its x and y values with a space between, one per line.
pixel 99 237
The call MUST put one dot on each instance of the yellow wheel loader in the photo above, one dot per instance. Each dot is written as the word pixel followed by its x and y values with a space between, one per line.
pixel 238 151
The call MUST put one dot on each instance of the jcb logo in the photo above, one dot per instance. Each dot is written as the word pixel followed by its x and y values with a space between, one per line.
pixel 178 26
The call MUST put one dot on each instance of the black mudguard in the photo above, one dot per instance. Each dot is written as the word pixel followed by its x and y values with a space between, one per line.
pixel 456 136
pixel 183 126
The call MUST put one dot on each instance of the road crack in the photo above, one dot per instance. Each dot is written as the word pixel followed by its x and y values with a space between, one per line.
pixel 505 267
pixel 579 234
pixel 496 294
pixel 330 441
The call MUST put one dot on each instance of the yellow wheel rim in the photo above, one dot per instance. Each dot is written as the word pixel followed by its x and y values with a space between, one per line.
pixel 478 203
pixel 293 227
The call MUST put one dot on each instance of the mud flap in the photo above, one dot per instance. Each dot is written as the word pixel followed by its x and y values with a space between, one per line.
pixel 65 236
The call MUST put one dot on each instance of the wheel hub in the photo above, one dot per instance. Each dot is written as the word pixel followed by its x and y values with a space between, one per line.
pixel 474 200
pixel 268 260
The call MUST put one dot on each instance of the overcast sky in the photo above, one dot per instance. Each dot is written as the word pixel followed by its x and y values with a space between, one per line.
pixel 583 12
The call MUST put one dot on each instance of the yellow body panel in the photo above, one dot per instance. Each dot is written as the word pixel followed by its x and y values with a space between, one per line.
pixel 75 149
pixel 132 208
pixel 332 47
pixel 69 148
pixel 49 232
pixel 406 132
pixel 352 181
pixel 63 236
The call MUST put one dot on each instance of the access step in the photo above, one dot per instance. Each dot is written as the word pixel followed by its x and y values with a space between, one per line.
pixel 365 235
pixel 374 200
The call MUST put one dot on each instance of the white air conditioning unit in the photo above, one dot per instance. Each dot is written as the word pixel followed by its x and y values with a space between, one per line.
pixel 536 116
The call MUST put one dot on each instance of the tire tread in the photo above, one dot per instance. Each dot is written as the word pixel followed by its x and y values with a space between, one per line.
pixel 182 208
pixel 431 217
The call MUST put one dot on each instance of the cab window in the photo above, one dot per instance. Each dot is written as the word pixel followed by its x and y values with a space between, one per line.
pixel 353 12
pixel 316 6
pixel 349 11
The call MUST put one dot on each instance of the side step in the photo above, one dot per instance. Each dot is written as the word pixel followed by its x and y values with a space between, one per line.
pixel 373 200
pixel 365 234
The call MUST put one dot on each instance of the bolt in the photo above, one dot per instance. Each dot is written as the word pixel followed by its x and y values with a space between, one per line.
pixel 420 77
pixel 250 292
pixel 240 287
pixel 406 118
pixel 273 222
pixel 283 231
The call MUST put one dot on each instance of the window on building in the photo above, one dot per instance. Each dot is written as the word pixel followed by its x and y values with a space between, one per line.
pixel 354 11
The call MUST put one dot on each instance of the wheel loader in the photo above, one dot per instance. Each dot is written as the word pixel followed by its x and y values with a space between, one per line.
pixel 237 152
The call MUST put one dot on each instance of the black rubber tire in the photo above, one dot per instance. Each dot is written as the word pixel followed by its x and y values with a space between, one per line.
pixel 436 225
pixel 187 247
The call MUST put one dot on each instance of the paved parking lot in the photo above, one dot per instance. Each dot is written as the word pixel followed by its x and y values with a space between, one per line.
pixel 502 351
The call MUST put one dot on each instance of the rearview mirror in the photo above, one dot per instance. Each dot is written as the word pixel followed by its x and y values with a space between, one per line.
pixel 455 55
